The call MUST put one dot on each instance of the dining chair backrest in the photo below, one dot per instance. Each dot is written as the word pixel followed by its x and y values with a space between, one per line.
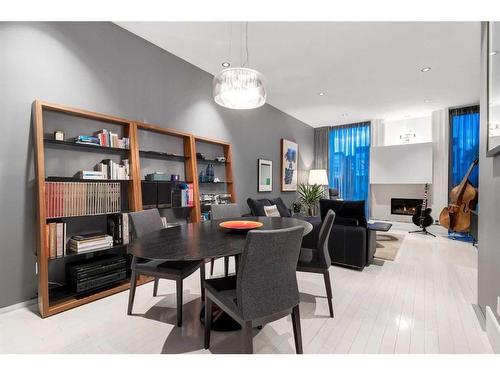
pixel 323 238
pixel 267 280
pixel 225 211
pixel 144 222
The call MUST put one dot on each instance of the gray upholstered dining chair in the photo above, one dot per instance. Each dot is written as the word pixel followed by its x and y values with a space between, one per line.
pixel 147 221
pixel 265 287
pixel 224 211
pixel 318 260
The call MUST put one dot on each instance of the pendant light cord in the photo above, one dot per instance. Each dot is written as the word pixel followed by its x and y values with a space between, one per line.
pixel 247 59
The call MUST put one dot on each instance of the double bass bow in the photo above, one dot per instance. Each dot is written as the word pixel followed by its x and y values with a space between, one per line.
pixel 463 199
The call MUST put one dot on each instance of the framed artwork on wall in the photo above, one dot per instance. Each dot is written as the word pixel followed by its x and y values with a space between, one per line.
pixel 289 163
pixel 493 133
pixel 265 175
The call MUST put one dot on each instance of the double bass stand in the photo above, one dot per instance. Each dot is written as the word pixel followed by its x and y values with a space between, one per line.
pixel 423 231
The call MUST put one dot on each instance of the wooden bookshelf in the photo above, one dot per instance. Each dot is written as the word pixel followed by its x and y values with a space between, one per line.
pixel 228 155
pixel 49 302
pixel 59 299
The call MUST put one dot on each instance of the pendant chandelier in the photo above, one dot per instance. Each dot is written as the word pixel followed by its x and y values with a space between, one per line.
pixel 241 87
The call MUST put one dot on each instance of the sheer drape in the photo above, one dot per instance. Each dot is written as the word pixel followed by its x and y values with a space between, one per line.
pixel 349 160
pixel 464 144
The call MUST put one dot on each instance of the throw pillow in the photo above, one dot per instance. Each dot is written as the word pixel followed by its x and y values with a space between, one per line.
pixel 284 211
pixel 272 211
pixel 257 206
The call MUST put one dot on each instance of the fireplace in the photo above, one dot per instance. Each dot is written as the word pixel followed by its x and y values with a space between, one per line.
pixel 404 206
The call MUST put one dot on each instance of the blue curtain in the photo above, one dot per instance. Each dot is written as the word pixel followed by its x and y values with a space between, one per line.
pixel 464 144
pixel 349 160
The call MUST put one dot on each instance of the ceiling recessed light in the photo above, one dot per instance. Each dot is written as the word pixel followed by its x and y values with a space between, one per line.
pixel 407 116
pixel 321 93
pixel 426 69
pixel 427 100
pixel 493 53
pixel 345 114
pixel 225 64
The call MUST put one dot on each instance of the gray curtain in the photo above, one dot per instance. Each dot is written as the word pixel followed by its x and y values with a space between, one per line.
pixel 321 147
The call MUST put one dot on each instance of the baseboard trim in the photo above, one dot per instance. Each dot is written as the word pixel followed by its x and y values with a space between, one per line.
pixel 17 306
pixel 493 330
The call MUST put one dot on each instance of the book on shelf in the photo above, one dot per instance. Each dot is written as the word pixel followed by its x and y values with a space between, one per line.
pixel 114 171
pixel 118 228
pixel 109 139
pixel 90 175
pixel 64 199
pixel 55 240
pixel 90 242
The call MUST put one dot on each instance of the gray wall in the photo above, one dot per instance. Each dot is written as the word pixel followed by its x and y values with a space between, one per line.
pixel 104 68
pixel 489 206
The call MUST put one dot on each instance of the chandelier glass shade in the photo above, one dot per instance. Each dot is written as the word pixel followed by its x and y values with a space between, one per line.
pixel 239 88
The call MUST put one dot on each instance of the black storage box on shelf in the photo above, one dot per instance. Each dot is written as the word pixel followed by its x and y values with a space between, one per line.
pixel 149 194
pixel 86 276
pixel 156 194
pixel 164 194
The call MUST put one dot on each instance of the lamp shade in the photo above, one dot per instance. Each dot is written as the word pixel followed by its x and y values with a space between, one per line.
pixel 318 177
pixel 239 88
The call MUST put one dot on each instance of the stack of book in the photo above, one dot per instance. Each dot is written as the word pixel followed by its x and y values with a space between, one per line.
pixel 55 236
pixel 90 242
pixel 63 199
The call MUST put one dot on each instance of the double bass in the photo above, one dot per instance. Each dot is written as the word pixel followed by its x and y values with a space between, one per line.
pixel 463 199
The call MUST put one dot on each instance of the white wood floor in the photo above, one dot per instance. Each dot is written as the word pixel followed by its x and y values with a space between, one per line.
pixel 420 303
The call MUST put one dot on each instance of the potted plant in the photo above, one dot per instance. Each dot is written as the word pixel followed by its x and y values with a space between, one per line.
pixel 310 195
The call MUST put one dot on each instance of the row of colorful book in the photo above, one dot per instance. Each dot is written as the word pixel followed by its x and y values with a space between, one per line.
pixel 104 138
pixel 63 199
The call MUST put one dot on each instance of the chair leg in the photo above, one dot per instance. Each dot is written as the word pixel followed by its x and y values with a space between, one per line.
pixel 179 302
pixel 247 337
pixel 328 285
pixel 226 266
pixel 297 335
pixel 236 263
pixel 208 321
pixel 155 287
pixel 131 295
pixel 133 285
pixel 212 262
pixel 202 277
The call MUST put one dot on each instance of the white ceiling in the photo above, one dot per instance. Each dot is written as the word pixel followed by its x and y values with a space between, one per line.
pixel 367 70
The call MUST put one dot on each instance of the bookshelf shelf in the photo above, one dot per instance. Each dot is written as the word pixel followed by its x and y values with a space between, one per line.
pixel 215 183
pixel 74 179
pixel 211 161
pixel 86 254
pixel 83 147
pixel 161 156
pixel 51 219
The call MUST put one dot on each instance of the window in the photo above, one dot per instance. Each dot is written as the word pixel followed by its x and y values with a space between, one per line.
pixel 349 160
pixel 464 144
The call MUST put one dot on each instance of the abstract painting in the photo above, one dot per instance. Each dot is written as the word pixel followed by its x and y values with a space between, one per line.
pixel 289 160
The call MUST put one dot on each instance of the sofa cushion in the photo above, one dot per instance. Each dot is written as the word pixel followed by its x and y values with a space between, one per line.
pixel 257 206
pixel 346 212
pixel 282 208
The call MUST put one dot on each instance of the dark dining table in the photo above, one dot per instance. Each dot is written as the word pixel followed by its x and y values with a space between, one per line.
pixel 205 240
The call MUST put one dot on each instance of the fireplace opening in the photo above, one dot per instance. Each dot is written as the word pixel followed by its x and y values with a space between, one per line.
pixel 405 206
